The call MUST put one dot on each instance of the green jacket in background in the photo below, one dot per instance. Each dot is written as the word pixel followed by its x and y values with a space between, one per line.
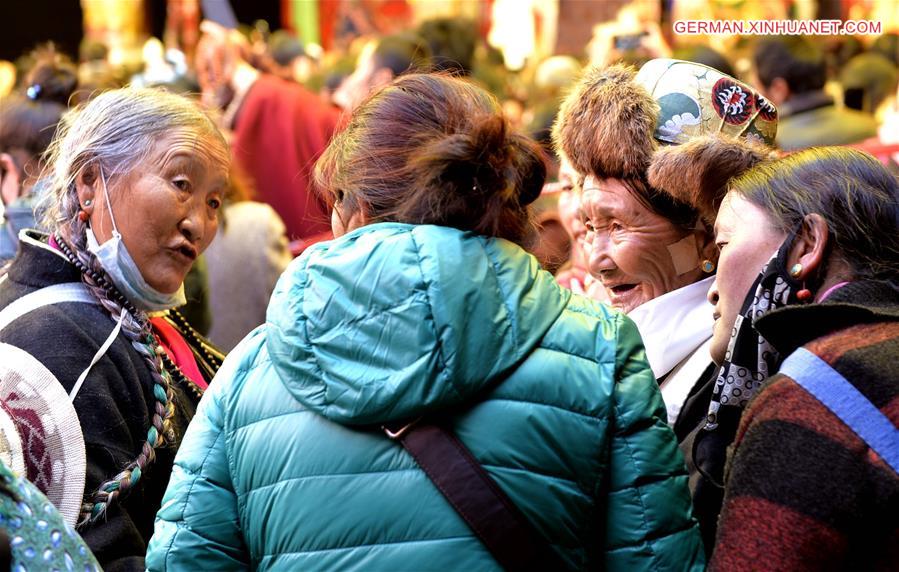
pixel 285 467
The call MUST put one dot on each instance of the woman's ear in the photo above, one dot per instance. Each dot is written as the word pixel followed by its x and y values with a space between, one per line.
pixel 341 223
pixel 705 240
pixel 810 247
pixel 86 184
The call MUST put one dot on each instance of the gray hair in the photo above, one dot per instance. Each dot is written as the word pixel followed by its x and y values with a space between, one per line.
pixel 117 130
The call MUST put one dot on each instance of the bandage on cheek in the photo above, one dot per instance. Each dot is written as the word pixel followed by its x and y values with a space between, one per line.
pixel 684 254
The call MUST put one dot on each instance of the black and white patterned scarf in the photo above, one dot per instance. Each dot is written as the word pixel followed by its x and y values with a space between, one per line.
pixel 750 359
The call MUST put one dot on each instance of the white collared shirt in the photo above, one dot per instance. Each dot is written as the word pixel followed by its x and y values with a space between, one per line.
pixel 675 327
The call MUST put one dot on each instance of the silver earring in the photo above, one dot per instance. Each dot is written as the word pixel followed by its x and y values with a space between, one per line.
pixel 88 202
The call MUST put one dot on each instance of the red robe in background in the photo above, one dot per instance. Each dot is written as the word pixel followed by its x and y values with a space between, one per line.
pixel 279 132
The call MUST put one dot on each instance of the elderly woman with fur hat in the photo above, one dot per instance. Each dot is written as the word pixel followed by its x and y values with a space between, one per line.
pixel 655 151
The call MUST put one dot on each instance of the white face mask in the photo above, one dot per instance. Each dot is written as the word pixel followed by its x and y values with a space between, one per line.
pixel 124 273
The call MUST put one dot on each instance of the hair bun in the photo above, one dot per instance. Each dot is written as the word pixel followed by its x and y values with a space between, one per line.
pixel 490 154
pixel 487 162
pixel 488 140
pixel 52 78
pixel 472 163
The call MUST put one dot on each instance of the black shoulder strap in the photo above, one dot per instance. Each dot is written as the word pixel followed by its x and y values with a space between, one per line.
pixel 493 517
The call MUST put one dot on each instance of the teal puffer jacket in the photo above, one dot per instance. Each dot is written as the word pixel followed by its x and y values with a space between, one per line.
pixel 284 466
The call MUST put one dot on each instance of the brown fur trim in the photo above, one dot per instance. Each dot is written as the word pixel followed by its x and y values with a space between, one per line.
pixel 605 124
pixel 697 172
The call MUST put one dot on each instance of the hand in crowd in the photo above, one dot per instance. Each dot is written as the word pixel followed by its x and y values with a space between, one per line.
pixel 615 41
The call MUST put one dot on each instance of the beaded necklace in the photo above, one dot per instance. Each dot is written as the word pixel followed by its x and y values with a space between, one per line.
pixel 196 341
pixel 179 376
pixel 208 358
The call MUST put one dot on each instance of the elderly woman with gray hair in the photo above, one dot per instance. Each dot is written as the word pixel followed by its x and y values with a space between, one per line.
pixel 99 376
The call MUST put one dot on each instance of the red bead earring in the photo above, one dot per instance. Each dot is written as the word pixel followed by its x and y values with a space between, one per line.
pixel 804 294
pixel 83 215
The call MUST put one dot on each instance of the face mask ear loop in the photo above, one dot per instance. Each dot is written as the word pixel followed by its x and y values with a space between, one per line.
pixel 115 230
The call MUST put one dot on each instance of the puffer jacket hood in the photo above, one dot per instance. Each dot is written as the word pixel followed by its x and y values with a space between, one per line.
pixel 393 321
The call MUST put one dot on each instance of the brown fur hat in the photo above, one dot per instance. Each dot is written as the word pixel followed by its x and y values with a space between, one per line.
pixel 697 172
pixel 605 125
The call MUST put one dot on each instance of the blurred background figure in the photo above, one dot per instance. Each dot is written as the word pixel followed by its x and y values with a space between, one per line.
pixel 95 72
pixel 868 80
pixel 278 128
pixel 244 262
pixel 156 69
pixel 791 73
pixel 291 58
pixel 28 120
pixel 706 56
pixel 452 43
pixel 381 61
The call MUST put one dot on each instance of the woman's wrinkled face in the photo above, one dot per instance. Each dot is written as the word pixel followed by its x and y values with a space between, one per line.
pixel 167 209
pixel 627 245
pixel 747 239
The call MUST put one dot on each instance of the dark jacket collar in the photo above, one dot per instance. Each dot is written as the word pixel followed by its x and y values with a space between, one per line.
pixel 804 102
pixel 37 264
pixel 859 302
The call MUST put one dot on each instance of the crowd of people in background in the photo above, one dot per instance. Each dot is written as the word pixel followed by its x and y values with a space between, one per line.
pixel 652 295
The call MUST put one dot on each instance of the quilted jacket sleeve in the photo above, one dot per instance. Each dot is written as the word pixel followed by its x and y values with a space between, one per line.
pixel 198 523
pixel 649 524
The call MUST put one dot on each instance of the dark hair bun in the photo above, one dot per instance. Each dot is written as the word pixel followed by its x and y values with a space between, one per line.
pixel 52 78
pixel 486 161
pixel 467 163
